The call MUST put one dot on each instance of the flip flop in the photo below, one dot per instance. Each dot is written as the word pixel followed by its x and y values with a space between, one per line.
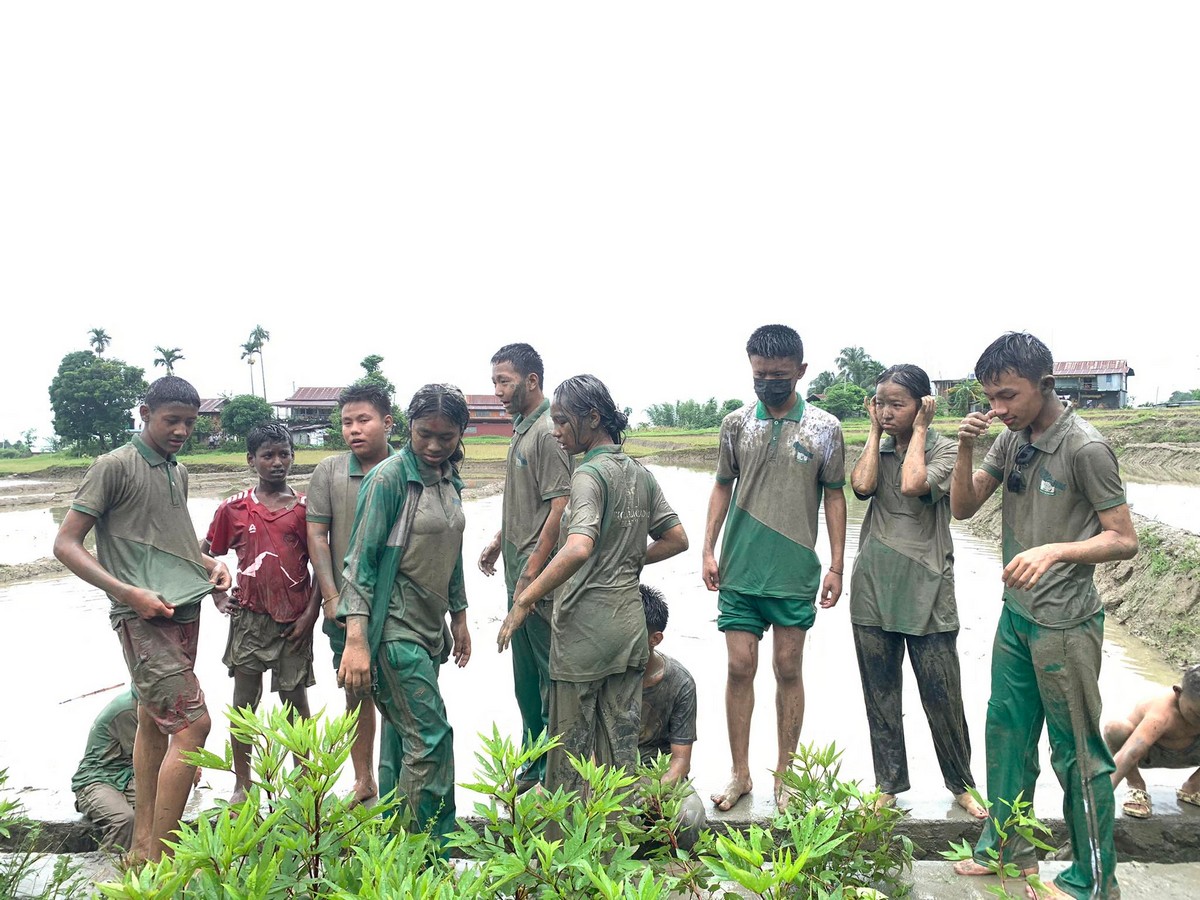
pixel 1137 804
pixel 1192 797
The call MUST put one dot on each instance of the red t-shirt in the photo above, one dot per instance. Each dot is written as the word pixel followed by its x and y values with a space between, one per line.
pixel 272 553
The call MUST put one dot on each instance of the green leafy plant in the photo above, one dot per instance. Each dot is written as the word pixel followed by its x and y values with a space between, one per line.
pixel 1020 824
pixel 22 871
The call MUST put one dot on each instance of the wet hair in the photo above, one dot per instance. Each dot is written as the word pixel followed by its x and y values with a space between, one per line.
pixel 368 392
pixel 912 378
pixel 441 400
pixel 1190 683
pixel 776 342
pixel 1018 352
pixel 171 389
pixel 581 394
pixel 523 358
pixel 655 608
pixel 268 433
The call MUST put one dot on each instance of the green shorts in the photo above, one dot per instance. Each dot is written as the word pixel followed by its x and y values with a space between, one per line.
pixel 256 644
pixel 161 657
pixel 746 612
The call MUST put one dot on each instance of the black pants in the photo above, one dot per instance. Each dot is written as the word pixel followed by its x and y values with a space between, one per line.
pixel 935 664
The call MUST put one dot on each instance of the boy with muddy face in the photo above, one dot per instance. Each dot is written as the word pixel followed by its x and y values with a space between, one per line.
pixel 778 461
pixel 1162 732
pixel 1064 511
pixel 149 563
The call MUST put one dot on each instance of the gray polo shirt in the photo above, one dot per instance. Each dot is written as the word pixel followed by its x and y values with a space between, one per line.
pixel 332 495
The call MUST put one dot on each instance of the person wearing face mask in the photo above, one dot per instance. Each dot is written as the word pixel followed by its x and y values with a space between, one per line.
pixel 779 459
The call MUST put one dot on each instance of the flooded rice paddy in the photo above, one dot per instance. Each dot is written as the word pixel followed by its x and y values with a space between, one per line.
pixel 64 664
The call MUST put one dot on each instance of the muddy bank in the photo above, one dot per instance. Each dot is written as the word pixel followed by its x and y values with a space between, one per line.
pixel 1156 595
pixel 1162 462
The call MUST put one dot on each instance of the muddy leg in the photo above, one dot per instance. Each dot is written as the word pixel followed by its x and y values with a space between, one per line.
pixel 247 692
pixel 742 647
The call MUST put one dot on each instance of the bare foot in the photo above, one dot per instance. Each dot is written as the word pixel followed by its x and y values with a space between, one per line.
pixel 970 804
pixel 238 797
pixel 884 801
pixel 734 791
pixel 971 868
pixel 366 792
pixel 783 795
pixel 1049 891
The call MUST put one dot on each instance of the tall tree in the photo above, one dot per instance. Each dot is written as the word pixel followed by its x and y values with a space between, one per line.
pixel 260 336
pixel 91 398
pixel 242 413
pixel 248 350
pixel 821 383
pixel 99 339
pixel 858 367
pixel 168 356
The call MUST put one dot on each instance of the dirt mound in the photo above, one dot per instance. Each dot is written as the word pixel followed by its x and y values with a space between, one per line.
pixel 39 568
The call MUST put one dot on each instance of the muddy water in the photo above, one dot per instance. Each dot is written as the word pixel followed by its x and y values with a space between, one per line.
pixel 45 717
pixel 1173 504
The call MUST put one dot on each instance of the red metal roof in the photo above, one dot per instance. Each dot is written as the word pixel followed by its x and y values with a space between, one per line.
pixel 1093 367
pixel 306 394
pixel 212 406
pixel 487 401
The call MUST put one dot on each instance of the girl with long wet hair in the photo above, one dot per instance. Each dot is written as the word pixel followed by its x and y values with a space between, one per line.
pixel 404 576
pixel 616 521
pixel 902 588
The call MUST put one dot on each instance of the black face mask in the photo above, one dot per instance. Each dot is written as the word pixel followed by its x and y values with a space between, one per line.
pixel 773 392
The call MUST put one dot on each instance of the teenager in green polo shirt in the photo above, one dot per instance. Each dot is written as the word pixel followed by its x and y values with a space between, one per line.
pixel 902 589
pixel 779 459
pixel 149 563
pixel 598 648
pixel 536 484
pixel 1064 511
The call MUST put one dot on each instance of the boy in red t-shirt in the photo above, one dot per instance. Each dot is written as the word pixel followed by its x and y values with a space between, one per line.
pixel 275 602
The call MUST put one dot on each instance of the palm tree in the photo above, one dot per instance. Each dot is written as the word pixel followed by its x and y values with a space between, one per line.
pixel 850 363
pixel 168 357
pixel 99 340
pixel 250 348
pixel 260 336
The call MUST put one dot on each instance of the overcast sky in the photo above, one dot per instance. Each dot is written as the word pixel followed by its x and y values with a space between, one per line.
pixel 630 187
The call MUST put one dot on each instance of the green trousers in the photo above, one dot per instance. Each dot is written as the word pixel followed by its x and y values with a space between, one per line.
pixel 531 681
pixel 420 761
pixel 600 719
pixel 1051 675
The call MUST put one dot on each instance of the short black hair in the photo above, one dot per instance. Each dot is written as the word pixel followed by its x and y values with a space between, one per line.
pixel 1018 352
pixel 655 608
pixel 912 378
pixel 1190 683
pixel 441 400
pixel 367 392
pixel 580 394
pixel 524 359
pixel 171 389
pixel 776 342
pixel 268 433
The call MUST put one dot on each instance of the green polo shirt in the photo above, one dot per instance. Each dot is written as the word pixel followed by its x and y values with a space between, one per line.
pixel 903 577
pixel 144 535
pixel 1072 476
pixel 108 758
pixel 599 627
pixel 780 468
pixel 538 471
pixel 332 494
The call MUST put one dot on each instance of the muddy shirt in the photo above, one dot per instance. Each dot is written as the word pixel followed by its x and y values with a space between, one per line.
pixel 108 758
pixel 668 711
pixel 332 494
pixel 598 625
pixel 1073 475
pixel 538 471
pixel 903 577
pixel 780 467
pixel 144 535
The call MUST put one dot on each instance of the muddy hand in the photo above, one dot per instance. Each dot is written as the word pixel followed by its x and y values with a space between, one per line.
pixel 1027 568
pixel 927 411
pixel 220 578
pixel 974 425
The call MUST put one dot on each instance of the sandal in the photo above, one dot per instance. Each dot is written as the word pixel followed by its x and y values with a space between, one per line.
pixel 1137 804
pixel 1192 797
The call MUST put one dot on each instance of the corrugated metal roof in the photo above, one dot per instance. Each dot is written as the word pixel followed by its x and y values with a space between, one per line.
pixel 484 400
pixel 212 406
pixel 1093 367
pixel 301 395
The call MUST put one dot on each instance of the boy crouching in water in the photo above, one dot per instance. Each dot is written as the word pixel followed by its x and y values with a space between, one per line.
pixel 669 715
pixel 275 602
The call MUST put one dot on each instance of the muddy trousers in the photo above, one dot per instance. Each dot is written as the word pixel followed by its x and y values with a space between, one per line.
pixel 531 683
pixel 600 719
pixel 408 697
pixel 934 660
pixel 110 811
pixel 1050 674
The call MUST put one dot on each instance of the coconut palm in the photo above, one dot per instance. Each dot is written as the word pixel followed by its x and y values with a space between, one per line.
pixel 99 340
pixel 260 336
pixel 249 349
pixel 168 356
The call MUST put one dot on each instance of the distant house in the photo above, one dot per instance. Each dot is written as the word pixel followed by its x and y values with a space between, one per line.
pixel 309 405
pixel 1094 383
pixel 488 416
pixel 211 410
pixel 308 435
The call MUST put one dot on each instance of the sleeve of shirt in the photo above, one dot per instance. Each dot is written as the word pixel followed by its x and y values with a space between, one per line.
pixel 994 462
pixel 100 488
pixel 220 532
pixel 662 517
pixel 587 504
pixel 552 467
pixel 1098 476
pixel 458 587
pixel 681 727
pixel 378 502
pixel 939 469
pixel 833 466
pixel 320 499
pixel 727 463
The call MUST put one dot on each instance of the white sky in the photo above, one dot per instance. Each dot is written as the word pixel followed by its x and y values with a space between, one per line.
pixel 630 187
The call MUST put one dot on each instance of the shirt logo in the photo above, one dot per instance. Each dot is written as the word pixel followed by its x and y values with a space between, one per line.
pixel 252 529
pixel 1048 485
pixel 802 453
pixel 522 462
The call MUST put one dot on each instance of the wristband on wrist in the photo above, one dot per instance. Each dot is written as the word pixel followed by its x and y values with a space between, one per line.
pixel 836 571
